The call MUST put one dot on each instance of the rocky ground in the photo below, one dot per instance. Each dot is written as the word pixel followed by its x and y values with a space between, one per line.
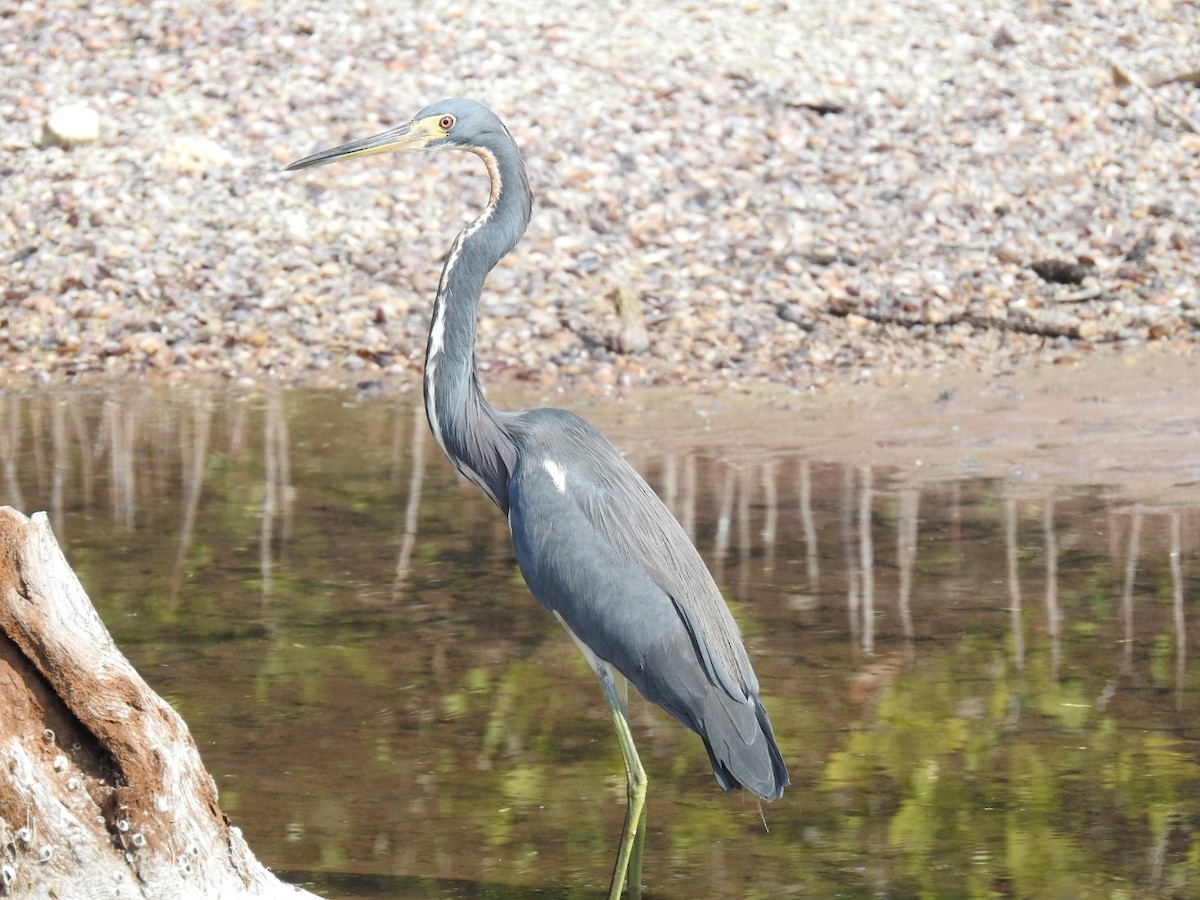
pixel 797 192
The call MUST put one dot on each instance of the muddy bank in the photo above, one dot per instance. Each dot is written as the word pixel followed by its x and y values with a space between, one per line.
pixel 1129 422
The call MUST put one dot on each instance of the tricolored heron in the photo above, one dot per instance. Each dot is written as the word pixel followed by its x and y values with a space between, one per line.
pixel 596 545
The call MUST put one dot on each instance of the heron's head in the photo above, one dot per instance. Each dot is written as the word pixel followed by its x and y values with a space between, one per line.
pixel 450 123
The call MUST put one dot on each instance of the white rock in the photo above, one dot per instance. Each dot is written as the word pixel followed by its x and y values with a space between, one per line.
pixel 71 125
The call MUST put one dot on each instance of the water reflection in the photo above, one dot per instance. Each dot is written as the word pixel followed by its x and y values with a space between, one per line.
pixel 981 690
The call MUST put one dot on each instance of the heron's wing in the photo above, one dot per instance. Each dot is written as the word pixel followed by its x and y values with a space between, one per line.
pixel 628 523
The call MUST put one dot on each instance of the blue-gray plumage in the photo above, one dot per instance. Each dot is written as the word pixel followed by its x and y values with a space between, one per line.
pixel 596 545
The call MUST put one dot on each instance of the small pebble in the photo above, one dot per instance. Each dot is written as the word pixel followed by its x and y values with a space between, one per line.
pixel 69 126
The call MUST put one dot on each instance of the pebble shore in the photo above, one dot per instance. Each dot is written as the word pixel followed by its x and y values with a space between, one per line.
pixel 793 192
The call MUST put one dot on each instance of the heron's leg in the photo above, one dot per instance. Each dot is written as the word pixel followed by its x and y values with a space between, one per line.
pixel 633 835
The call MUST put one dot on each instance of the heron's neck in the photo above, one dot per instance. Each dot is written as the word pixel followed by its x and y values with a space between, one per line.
pixel 466 427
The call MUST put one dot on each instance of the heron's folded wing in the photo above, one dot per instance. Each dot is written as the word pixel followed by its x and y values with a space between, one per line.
pixel 630 518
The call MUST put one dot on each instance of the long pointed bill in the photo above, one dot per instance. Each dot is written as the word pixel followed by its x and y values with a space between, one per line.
pixel 415 135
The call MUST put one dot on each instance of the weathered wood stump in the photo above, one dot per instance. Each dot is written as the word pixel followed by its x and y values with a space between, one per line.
pixel 102 791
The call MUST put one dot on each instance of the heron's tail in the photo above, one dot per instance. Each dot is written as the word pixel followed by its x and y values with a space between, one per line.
pixel 741 745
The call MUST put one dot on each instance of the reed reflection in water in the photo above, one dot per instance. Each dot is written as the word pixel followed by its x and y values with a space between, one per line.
pixel 981 688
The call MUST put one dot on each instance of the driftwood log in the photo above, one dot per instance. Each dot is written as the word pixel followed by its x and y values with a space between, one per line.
pixel 102 791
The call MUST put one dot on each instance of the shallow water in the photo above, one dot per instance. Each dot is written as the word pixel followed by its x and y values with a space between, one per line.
pixel 982 688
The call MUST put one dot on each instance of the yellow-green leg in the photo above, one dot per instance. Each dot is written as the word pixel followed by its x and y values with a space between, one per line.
pixel 633 835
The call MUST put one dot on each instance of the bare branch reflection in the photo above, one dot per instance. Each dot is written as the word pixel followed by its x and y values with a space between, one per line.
pixel 81 438
pixel 1131 564
pixel 1012 560
pixel 867 559
pixel 770 529
pixel 59 466
pixel 194 460
pixel 906 554
pixel 690 495
pixel 1176 566
pixel 745 494
pixel 812 555
pixel 1053 614
pixel 412 509
pixel 277 496
pixel 846 508
pixel 725 507
pixel 120 425
pixel 678 488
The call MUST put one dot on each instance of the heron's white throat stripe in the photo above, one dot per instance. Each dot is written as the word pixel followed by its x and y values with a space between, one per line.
pixel 437 330
pixel 557 474
pixel 435 424
pixel 493 168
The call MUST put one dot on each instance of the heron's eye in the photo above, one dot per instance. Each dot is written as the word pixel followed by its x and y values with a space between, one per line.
pixel 446 123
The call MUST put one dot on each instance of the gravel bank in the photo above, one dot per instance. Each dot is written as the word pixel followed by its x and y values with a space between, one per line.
pixel 796 192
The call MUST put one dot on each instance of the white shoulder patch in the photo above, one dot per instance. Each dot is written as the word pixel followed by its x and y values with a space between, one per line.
pixel 557 474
